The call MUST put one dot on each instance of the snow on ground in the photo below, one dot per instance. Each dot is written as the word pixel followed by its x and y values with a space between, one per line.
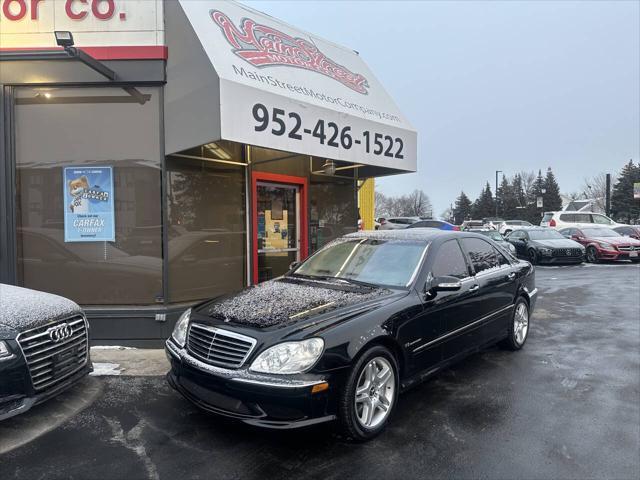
pixel 102 369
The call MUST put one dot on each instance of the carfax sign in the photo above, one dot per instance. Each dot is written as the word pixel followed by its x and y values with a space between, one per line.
pixel 88 204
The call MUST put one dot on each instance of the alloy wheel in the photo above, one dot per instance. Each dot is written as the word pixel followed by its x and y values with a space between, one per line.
pixel 375 392
pixel 591 255
pixel 521 323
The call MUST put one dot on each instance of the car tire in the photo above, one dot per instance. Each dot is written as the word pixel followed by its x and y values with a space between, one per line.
pixel 592 255
pixel 379 397
pixel 532 256
pixel 518 327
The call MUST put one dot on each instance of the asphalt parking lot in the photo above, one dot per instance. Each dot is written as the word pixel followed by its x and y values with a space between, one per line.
pixel 567 406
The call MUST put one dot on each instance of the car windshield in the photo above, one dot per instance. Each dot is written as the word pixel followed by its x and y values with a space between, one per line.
pixel 600 232
pixel 379 262
pixel 544 234
pixel 493 235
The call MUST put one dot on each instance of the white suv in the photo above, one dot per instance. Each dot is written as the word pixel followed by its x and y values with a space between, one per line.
pixel 395 223
pixel 572 219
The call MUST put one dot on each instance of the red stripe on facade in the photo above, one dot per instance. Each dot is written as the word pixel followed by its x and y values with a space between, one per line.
pixel 120 52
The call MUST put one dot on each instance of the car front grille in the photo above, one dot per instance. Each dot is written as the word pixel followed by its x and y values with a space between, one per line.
pixel 53 357
pixel 219 347
pixel 628 248
pixel 567 252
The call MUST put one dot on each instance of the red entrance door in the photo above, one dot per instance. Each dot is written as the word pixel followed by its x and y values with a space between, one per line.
pixel 279 223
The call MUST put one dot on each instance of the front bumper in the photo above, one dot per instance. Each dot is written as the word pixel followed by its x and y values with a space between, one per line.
pixel 261 400
pixel 20 401
pixel 560 260
pixel 617 255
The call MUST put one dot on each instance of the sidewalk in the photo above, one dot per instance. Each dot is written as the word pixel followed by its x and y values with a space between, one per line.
pixel 113 360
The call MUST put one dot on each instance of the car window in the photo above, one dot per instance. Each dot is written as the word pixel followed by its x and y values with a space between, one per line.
pixel 624 230
pixel 548 216
pixel 583 218
pixel 388 263
pixel 418 225
pixel 483 256
pixel 568 217
pixel 450 261
pixel 600 219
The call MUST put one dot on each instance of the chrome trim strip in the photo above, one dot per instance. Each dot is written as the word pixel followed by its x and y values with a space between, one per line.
pixel 418 266
pixel 289 384
pixel 447 335
pixel 533 292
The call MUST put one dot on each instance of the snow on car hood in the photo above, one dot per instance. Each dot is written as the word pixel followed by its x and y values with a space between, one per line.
pixel 22 308
pixel 286 300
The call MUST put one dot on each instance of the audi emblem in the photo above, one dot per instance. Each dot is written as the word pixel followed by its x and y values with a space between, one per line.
pixel 60 332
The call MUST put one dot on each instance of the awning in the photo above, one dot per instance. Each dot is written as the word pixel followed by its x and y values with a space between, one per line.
pixel 237 74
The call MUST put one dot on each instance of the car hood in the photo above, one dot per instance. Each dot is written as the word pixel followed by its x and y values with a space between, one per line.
pixel 616 240
pixel 557 243
pixel 285 301
pixel 22 308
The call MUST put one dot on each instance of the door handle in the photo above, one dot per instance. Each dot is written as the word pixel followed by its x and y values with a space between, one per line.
pixel 475 288
pixel 511 276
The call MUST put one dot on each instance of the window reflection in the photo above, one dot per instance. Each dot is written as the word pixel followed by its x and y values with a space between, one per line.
pixel 206 230
pixel 84 127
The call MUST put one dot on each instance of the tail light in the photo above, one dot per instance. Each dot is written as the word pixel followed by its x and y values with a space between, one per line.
pixel 382 221
pixel 456 228
pixel 552 223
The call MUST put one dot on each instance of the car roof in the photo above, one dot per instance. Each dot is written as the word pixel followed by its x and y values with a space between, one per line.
pixel 411 234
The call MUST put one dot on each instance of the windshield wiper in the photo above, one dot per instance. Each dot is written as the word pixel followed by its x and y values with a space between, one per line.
pixel 354 282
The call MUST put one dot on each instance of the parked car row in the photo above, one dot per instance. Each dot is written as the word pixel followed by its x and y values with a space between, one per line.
pixel 574 245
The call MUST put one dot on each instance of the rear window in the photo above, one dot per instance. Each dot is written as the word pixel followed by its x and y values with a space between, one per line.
pixel 548 216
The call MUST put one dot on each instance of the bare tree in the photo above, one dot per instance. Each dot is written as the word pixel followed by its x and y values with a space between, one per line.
pixel 528 181
pixel 418 204
pixel 595 188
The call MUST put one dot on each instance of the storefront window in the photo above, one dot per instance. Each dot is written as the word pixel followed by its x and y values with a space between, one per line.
pixel 106 144
pixel 334 210
pixel 206 204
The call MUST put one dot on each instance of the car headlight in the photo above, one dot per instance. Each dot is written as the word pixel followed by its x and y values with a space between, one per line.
pixel 179 334
pixel 4 350
pixel 289 357
pixel 606 246
pixel 512 249
pixel 545 251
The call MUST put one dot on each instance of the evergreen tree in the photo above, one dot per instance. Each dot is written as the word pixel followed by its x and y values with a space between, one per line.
pixel 484 206
pixel 462 209
pixel 551 198
pixel 519 196
pixel 623 205
pixel 534 213
pixel 506 199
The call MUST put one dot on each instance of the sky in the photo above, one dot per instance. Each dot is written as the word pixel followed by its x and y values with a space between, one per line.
pixel 496 85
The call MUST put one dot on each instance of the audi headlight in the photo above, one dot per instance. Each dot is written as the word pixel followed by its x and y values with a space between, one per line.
pixel 179 334
pixel 4 350
pixel 606 246
pixel 289 357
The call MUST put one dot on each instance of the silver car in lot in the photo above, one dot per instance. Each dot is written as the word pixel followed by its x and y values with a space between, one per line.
pixel 397 223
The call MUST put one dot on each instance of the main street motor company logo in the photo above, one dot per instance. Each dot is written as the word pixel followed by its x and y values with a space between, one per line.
pixel 263 46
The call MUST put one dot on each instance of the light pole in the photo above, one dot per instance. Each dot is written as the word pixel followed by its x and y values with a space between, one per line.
pixel 497 172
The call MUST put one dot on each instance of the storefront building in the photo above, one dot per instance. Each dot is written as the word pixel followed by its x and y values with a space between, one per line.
pixel 185 150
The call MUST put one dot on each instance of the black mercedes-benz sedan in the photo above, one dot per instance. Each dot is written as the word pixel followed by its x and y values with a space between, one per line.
pixel 44 347
pixel 545 245
pixel 343 333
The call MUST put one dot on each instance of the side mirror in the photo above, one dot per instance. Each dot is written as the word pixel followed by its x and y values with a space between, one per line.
pixel 293 265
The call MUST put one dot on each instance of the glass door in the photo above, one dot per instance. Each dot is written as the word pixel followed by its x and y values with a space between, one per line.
pixel 278 228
